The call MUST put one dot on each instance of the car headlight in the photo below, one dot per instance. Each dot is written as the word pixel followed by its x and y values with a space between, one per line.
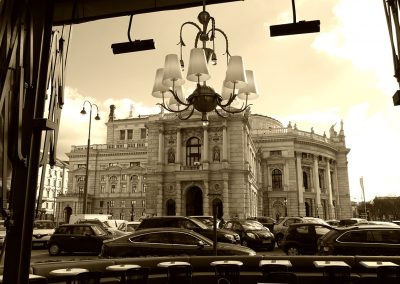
pixel 251 235
pixel 229 237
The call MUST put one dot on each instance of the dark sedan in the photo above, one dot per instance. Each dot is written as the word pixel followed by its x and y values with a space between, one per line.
pixel 87 238
pixel 167 242
pixel 302 238
pixel 252 233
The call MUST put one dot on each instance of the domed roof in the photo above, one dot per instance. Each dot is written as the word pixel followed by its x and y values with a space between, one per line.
pixel 258 121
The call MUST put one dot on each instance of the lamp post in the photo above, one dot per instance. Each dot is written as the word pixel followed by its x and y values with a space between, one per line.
pixel 285 202
pixel 83 111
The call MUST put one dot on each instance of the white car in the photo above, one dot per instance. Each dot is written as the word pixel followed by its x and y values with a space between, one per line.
pixel 128 227
pixel 42 231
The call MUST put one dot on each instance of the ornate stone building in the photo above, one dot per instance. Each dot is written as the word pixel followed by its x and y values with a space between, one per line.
pixel 244 165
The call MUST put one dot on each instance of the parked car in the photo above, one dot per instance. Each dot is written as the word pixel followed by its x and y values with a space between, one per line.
pixel 167 242
pixel 351 221
pixel 381 223
pixel 301 238
pixel 82 237
pixel 397 222
pixel 281 227
pixel 252 233
pixel 42 231
pixel 208 220
pixel 99 223
pixel 128 226
pixel 361 240
pixel 333 222
pixel 189 223
pixel 268 222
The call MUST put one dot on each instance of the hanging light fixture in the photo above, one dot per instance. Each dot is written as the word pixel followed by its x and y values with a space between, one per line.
pixel 239 85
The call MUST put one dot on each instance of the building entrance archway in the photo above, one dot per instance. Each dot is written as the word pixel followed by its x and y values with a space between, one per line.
pixel 67 214
pixel 194 201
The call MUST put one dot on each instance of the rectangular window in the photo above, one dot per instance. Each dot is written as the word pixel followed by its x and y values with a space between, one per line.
pixel 112 164
pixel 130 134
pixel 123 188
pixel 81 166
pixel 112 203
pixel 123 203
pixel 102 188
pixel 103 178
pixel 101 203
pixel 80 190
pixel 143 203
pixel 142 133
pixel 144 187
pixel 134 188
pixel 124 177
pixel 135 164
pixel 122 134
pixel 113 188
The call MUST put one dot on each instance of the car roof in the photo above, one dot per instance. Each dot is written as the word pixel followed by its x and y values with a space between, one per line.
pixel 367 226
pixel 310 224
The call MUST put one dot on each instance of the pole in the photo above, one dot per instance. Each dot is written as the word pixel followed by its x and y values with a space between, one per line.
pixel 85 190
pixel 215 209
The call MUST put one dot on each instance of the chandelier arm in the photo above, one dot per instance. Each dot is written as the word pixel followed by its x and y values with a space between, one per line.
pixel 180 33
pixel 226 44
pixel 237 111
pixel 220 114
pixel 164 106
pixel 189 115
pixel 230 100
pixel 177 98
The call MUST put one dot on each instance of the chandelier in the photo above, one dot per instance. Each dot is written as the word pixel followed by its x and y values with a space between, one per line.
pixel 238 87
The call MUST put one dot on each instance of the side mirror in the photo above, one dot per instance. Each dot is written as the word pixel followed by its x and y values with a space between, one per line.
pixel 201 244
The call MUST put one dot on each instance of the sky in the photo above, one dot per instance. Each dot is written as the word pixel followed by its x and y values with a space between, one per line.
pixel 344 72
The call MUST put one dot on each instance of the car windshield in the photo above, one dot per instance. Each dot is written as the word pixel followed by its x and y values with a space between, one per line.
pixel 252 225
pixel 43 225
pixel 99 231
pixel 131 227
pixel 199 223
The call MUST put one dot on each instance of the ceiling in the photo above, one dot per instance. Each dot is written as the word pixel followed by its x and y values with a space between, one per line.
pixel 80 11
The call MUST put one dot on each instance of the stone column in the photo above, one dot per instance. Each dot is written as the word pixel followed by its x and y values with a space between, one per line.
pixel 224 144
pixel 178 146
pixel 178 202
pixel 206 198
pixel 161 145
pixel 317 187
pixel 300 182
pixel 245 146
pixel 330 200
pixel 225 195
pixel 160 200
pixel 205 142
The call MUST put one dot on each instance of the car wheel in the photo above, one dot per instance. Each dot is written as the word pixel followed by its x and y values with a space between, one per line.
pixel 292 250
pixel 279 240
pixel 54 249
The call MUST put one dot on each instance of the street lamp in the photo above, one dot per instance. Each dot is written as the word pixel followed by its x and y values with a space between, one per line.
pixel 285 202
pixel 83 111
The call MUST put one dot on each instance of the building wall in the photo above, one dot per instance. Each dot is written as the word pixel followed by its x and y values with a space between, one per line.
pixel 233 169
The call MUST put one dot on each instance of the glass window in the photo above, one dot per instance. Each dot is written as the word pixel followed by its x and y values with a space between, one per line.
pixel 193 151
pixel 160 238
pixel 143 133
pixel 302 230
pixel 276 179
pixel 183 239
pixel 130 134
pixel 113 188
pixel 354 237
pixel 305 180
pixel 122 134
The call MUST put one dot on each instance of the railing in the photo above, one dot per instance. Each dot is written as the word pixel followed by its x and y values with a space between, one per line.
pixel 286 131
pixel 141 144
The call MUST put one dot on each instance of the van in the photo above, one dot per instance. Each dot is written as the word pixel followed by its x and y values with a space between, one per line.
pixel 77 218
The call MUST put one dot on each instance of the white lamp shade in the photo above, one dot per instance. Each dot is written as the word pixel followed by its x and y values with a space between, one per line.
pixel 226 92
pixel 198 70
pixel 249 91
pixel 160 90
pixel 172 71
pixel 235 75
pixel 173 103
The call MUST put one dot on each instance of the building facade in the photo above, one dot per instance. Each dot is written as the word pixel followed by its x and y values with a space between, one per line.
pixel 53 181
pixel 243 165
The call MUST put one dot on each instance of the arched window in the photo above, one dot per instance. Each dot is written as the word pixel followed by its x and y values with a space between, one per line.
pixel 276 179
pixel 193 151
